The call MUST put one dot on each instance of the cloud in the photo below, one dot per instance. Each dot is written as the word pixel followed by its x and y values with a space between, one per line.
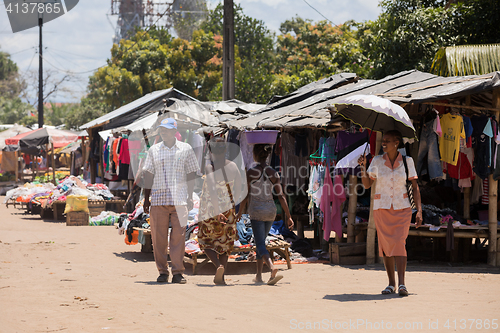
pixel 79 41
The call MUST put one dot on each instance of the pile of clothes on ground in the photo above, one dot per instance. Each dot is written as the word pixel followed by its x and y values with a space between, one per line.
pixel 44 194
pixel 139 219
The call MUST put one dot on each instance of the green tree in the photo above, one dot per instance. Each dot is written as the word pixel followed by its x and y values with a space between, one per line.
pixel 56 114
pixel 408 33
pixel 13 110
pixel 480 21
pixel 88 110
pixel 143 65
pixel 10 86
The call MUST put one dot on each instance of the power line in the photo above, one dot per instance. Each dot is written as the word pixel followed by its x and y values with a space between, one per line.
pixel 33 47
pixel 73 54
pixel 319 13
pixel 34 54
pixel 61 57
pixel 57 68
pixel 131 46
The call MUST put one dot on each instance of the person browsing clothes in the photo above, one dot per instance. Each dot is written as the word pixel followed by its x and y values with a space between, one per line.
pixel 262 180
pixel 170 170
pixel 391 206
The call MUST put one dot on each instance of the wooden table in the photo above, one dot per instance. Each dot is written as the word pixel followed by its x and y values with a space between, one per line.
pixel 463 231
pixel 462 235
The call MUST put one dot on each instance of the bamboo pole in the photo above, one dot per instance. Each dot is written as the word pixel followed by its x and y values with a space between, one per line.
pixel 338 237
pixel 466 210
pixel 53 166
pixel 47 157
pixel 93 169
pixel 351 211
pixel 100 159
pixel 371 232
pixel 493 257
pixel 35 163
pixel 17 165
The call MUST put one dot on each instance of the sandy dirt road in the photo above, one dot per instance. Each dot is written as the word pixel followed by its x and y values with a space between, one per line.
pixel 55 278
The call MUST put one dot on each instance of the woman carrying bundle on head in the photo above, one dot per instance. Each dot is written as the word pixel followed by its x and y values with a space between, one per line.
pixel 263 181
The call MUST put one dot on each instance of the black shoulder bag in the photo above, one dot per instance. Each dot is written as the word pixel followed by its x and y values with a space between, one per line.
pixel 409 186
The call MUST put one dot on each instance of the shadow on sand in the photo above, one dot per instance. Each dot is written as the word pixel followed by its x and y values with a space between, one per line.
pixel 135 256
pixel 360 297
pixel 435 267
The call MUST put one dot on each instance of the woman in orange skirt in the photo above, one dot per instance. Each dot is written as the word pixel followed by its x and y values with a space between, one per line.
pixel 391 206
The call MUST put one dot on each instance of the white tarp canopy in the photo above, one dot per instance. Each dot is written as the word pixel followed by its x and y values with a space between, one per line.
pixel 12 131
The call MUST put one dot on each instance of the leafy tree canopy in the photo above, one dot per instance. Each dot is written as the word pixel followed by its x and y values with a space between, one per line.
pixel 143 64
pixel 10 85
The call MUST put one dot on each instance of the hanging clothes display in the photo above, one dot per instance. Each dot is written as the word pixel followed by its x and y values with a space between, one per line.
pixel 428 150
pixel 331 200
pixel 481 141
pixel 462 171
pixel 124 160
pixel 449 145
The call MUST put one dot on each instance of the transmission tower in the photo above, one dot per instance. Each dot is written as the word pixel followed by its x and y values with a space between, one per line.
pixel 141 14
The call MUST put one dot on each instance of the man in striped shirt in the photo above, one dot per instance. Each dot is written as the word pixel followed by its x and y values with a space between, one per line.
pixel 170 170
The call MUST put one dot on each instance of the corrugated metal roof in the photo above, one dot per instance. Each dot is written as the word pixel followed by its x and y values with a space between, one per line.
pixel 137 109
pixel 405 87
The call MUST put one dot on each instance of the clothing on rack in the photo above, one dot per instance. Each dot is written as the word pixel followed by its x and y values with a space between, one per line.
pixel 481 140
pixel 429 151
pixel 331 201
pixel 449 145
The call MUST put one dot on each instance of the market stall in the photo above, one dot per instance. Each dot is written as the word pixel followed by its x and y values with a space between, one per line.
pixel 474 96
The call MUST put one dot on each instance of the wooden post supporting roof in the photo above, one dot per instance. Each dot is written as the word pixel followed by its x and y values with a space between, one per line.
pixel 93 170
pixel 371 232
pixel 493 257
pixel 466 211
pixel 351 212
pixel 228 82
pixel 17 166
pixel 53 165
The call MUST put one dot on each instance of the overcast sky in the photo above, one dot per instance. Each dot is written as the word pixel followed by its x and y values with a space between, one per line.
pixel 80 41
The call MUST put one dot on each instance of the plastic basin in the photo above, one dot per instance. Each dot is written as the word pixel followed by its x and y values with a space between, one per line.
pixel 262 136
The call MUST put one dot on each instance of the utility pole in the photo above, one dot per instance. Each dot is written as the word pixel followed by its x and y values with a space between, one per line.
pixel 40 78
pixel 228 52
